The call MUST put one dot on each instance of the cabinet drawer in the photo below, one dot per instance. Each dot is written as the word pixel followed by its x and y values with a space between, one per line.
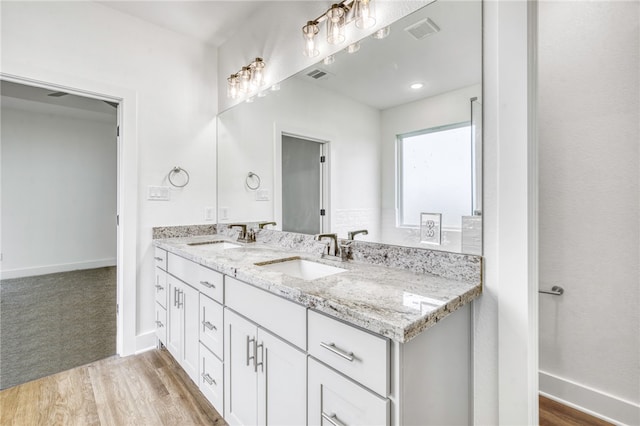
pixel 280 316
pixel 161 287
pixel 204 279
pixel 211 325
pixel 336 399
pixel 211 376
pixel 161 324
pixel 160 258
pixel 356 353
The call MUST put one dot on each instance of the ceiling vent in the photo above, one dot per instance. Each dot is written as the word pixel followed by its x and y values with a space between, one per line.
pixel 318 74
pixel 422 29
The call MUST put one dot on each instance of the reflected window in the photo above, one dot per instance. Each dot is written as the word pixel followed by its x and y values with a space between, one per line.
pixel 435 175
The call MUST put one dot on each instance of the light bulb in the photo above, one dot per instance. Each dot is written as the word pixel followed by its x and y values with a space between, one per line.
pixel 309 33
pixel 381 33
pixel 353 48
pixel 245 79
pixel 329 60
pixel 232 86
pixel 335 25
pixel 364 14
pixel 257 72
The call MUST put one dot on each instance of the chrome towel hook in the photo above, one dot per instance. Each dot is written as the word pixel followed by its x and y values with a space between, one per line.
pixel 178 170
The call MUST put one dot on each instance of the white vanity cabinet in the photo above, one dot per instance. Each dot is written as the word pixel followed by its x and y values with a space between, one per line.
pixel 183 329
pixel 265 376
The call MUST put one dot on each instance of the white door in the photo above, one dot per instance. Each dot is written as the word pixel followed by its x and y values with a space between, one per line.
pixel 189 301
pixel 174 328
pixel 240 402
pixel 282 382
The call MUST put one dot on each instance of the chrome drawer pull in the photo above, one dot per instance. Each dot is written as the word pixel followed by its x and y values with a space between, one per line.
pixel 159 287
pixel 159 324
pixel 209 325
pixel 207 284
pixel 159 259
pixel 249 358
pixel 207 378
pixel 332 347
pixel 333 419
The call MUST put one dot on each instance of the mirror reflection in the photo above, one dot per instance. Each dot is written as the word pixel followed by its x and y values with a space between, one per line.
pixel 383 137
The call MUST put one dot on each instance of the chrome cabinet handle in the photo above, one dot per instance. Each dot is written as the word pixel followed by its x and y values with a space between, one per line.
pixel 333 419
pixel 261 363
pixel 175 296
pixel 332 347
pixel 159 259
pixel 159 287
pixel 207 284
pixel 207 378
pixel 253 357
pixel 210 326
pixel 180 293
pixel 159 324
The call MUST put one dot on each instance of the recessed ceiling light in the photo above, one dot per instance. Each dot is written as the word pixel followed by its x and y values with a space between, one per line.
pixel 416 86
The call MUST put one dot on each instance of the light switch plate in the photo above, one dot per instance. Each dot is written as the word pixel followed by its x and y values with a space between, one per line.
pixel 224 213
pixel 262 195
pixel 158 193
pixel 208 214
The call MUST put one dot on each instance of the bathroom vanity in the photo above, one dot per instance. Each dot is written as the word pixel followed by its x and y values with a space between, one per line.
pixel 274 333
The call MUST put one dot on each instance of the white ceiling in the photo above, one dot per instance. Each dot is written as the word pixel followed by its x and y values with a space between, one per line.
pixel 211 22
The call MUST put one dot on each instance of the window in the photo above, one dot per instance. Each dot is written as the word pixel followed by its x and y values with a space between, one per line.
pixel 435 175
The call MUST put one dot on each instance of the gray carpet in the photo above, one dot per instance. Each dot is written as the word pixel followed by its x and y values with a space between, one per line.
pixel 51 323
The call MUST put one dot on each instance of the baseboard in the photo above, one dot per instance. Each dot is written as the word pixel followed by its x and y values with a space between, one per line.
pixel 54 269
pixel 145 341
pixel 589 400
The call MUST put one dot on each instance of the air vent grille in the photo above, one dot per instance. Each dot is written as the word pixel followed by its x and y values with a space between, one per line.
pixel 422 29
pixel 318 74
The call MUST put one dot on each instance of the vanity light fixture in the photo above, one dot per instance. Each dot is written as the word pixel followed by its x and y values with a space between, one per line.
pixel 275 87
pixel 329 60
pixel 337 17
pixel 248 79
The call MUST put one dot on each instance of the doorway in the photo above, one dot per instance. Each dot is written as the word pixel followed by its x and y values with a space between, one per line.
pixel 59 234
pixel 303 171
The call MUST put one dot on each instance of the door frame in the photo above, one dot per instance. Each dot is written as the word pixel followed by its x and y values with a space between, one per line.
pixel 279 132
pixel 127 188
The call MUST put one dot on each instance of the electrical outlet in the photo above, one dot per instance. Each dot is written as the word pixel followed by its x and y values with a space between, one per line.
pixel 208 214
pixel 224 213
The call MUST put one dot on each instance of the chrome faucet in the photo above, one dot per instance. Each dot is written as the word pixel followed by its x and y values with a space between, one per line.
pixel 351 235
pixel 334 238
pixel 261 225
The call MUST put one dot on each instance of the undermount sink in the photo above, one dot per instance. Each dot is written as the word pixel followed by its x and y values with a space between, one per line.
pixel 300 268
pixel 215 245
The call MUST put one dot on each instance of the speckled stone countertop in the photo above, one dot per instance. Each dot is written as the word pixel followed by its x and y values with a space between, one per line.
pixel 395 303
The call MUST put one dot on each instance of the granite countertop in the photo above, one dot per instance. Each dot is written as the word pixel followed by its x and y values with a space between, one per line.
pixel 395 303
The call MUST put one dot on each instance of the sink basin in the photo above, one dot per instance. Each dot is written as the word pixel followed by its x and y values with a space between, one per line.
pixel 300 268
pixel 215 245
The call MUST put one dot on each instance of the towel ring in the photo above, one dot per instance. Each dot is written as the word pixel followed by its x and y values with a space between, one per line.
pixel 177 170
pixel 252 177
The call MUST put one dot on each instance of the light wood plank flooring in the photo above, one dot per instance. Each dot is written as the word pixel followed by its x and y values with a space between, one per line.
pixel 146 389
pixel 553 413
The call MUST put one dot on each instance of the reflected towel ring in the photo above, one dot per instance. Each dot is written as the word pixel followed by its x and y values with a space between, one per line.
pixel 252 177
pixel 177 170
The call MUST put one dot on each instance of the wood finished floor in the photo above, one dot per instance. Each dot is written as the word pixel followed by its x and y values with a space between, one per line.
pixel 151 389
pixel 146 389
pixel 553 413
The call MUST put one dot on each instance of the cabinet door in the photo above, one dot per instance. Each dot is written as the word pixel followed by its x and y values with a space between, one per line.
pixel 282 382
pixel 189 305
pixel 174 313
pixel 240 378
pixel 335 400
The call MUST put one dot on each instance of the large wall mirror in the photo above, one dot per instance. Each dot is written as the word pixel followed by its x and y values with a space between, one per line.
pixel 386 138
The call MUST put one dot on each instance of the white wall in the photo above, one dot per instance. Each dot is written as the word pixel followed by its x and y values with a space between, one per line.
pixel 589 205
pixel 246 143
pixel 444 109
pixel 171 80
pixel 58 188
